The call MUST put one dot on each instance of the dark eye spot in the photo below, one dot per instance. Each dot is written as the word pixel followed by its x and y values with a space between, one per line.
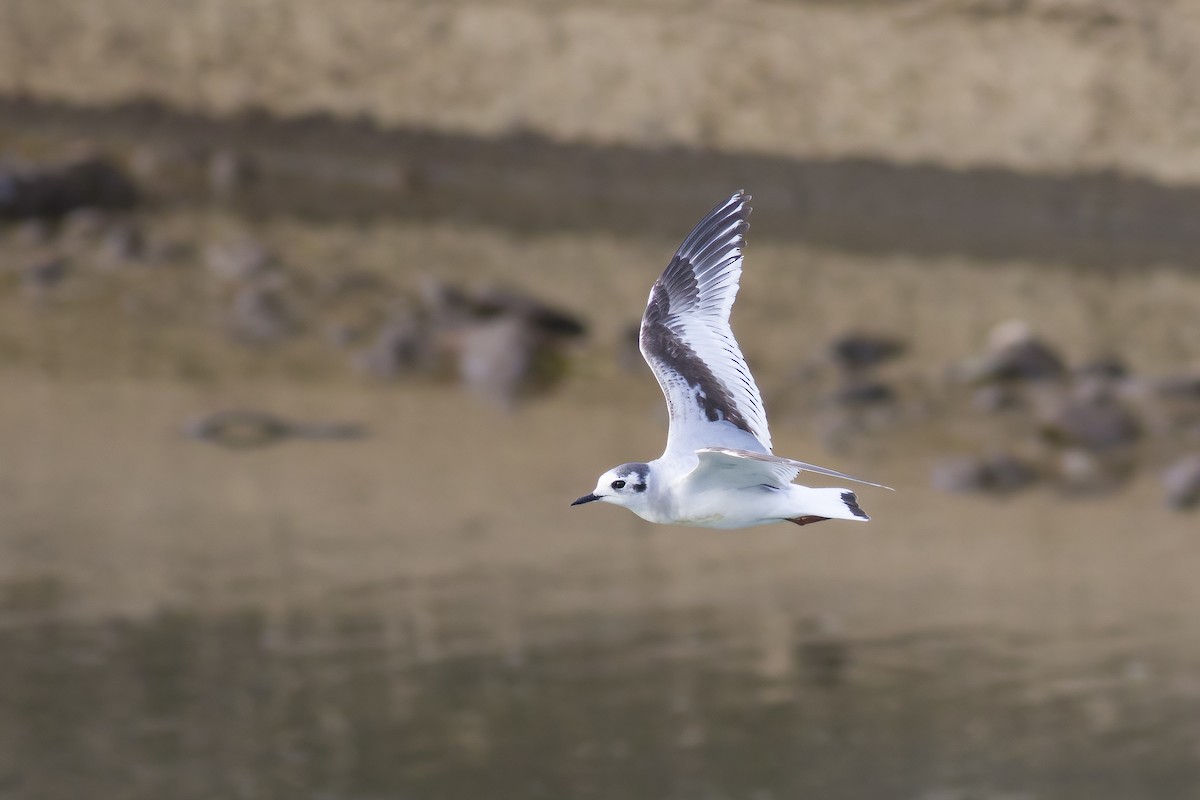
pixel 618 484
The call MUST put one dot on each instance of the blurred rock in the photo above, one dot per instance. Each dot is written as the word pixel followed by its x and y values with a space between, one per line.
pixel 507 359
pixel 33 232
pixel 1014 353
pixel 168 252
pixel 495 301
pixel 45 274
pixel 403 345
pixel 229 172
pixel 1184 385
pixel 996 397
pixel 54 190
pixel 1098 424
pixel 858 350
pixel 1093 390
pixel 350 283
pixel 449 306
pixel 1009 474
pixel 1000 473
pixel 862 392
pixel 166 165
pixel 960 474
pixel 342 334
pixel 241 429
pixel 1108 366
pixel 507 344
pixel 1086 472
pixel 122 244
pixel 260 314
pixel 239 259
pixel 1181 482
pixel 444 302
pixel 83 224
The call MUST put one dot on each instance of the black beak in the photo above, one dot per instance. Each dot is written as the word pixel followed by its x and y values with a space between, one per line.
pixel 587 498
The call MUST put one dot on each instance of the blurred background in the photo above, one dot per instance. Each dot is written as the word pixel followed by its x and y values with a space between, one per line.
pixel 315 317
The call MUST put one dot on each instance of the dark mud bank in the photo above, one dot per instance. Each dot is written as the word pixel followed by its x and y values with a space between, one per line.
pixel 327 168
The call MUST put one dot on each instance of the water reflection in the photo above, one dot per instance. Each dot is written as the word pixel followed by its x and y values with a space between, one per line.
pixel 426 689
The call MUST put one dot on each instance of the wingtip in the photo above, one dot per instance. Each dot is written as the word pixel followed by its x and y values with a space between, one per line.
pixel 851 501
pixel 803 466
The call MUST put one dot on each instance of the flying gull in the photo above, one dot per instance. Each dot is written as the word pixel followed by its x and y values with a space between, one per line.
pixel 717 470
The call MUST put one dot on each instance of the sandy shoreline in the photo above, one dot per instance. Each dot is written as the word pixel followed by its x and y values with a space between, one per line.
pixel 1090 84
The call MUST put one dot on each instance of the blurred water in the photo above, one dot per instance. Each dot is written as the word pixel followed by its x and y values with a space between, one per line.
pixel 377 693
pixel 336 621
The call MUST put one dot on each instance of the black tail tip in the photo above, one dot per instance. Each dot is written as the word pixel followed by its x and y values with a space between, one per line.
pixel 851 501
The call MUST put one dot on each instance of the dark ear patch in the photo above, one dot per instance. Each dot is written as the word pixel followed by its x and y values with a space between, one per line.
pixel 635 474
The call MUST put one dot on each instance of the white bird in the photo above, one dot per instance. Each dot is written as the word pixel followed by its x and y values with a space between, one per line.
pixel 717 470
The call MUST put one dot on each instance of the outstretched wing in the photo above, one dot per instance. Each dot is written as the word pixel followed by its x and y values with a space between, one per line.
pixel 767 468
pixel 686 339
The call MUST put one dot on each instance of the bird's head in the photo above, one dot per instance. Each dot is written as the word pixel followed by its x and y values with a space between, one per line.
pixel 623 486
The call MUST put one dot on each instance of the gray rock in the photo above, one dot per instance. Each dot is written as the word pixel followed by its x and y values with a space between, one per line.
pixel 507 345
pixel 346 284
pixel 83 224
pixel 999 473
pixel 52 191
pixel 996 397
pixel 1097 425
pixel 856 351
pixel 122 244
pixel 1185 385
pixel 448 306
pixel 403 345
pixel 1087 472
pixel 501 360
pixel 1109 366
pixel 33 231
pixel 959 474
pixel 239 259
pixel 229 172
pixel 46 274
pixel 863 392
pixel 1007 473
pixel 246 428
pixel 1181 483
pixel 1014 353
pixel 260 314
pixel 497 301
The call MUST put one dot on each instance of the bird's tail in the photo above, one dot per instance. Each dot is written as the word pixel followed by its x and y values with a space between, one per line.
pixel 814 505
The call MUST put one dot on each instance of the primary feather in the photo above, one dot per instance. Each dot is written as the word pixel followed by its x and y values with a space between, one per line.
pixel 686 339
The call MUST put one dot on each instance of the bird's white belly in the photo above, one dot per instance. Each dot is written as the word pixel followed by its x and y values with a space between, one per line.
pixel 703 521
pixel 719 509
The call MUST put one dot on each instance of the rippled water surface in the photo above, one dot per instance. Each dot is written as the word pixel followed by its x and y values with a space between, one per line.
pixel 363 703
pixel 345 620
